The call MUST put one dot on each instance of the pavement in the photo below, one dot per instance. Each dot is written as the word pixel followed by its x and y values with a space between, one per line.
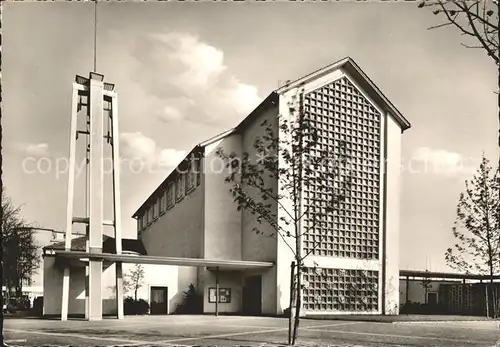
pixel 202 330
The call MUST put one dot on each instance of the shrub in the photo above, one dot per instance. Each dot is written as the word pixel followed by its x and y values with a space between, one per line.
pixel 133 307
pixel 38 306
pixel 192 303
pixel 15 304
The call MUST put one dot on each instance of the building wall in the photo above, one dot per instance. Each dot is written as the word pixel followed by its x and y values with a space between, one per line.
pixel 259 246
pixel 262 246
pixel 207 224
pixel 348 250
pixel 53 281
pixel 222 220
pixel 351 250
pixel 176 278
pixel 177 232
pixel 393 216
pixel 52 285
pixel 284 254
pixel 416 292
pixel 231 280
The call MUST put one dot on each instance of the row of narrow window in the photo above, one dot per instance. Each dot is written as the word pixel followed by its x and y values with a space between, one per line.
pixel 180 185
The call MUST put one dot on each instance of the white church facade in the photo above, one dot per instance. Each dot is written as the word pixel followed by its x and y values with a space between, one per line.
pixel 192 222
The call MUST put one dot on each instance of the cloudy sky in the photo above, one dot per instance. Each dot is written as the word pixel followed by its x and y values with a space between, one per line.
pixel 187 71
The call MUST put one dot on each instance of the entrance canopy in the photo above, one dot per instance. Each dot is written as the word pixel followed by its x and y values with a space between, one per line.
pixel 142 259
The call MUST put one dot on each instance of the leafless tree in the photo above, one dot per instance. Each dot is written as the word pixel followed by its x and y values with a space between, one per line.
pixel 476 229
pixel 20 252
pixel 289 152
pixel 426 283
pixel 134 279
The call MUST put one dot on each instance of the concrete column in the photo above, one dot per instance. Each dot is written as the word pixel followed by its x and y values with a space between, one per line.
pixel 65 294
pixel 116 174
pixel 119 289
pixel 95 290
pixel 86 292
pixel 117 204
pixel 69 203
pixel 96 189
pixel 391 195
pixel 87 277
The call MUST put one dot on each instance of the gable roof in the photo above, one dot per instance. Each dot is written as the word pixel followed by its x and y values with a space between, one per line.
pixel 366 84
pixel 347 64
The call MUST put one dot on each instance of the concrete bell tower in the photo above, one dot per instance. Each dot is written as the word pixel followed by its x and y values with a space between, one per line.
pixel 99 101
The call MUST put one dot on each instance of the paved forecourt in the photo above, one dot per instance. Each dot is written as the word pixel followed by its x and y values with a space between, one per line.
pixel 202 330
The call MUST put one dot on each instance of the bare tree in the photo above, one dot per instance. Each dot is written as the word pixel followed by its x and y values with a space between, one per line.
pixel 476 228
pixel 289 153
pixel 476 20
pixel 426 283
pixel 134 279
pixel 20 252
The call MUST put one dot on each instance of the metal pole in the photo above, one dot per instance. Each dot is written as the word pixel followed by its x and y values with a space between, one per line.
pixel 463 297
pixel 217 291
pixel 487 301
pixel 292 292
pixel 407 288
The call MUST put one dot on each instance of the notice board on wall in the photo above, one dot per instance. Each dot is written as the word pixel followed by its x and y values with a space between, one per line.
pixel 224 295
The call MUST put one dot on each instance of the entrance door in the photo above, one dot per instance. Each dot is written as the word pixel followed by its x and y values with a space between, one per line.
pixel 252 296
pixel 432 299
pixel 158 301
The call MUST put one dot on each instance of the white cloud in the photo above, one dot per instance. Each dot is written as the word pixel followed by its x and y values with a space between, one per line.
pixel 170 157
pixel 243 96
pixel 33 149
pixel 172 110
pixel 438 156
pixel 202 63
pixel 138 147
pixel 179 67
pixel 439 160
pixel 169 113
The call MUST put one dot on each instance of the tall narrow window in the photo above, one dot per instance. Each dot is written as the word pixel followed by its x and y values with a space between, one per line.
pixel 191 178
pixel 163 201
pixel 197 170
pixel 140 223
pixel 156 208
pixel 150 214
pixel 180 186
pixel 170 195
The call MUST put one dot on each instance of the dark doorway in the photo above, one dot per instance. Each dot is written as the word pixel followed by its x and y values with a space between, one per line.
pixel 252 296
pixel 158 301
pixel 432 299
